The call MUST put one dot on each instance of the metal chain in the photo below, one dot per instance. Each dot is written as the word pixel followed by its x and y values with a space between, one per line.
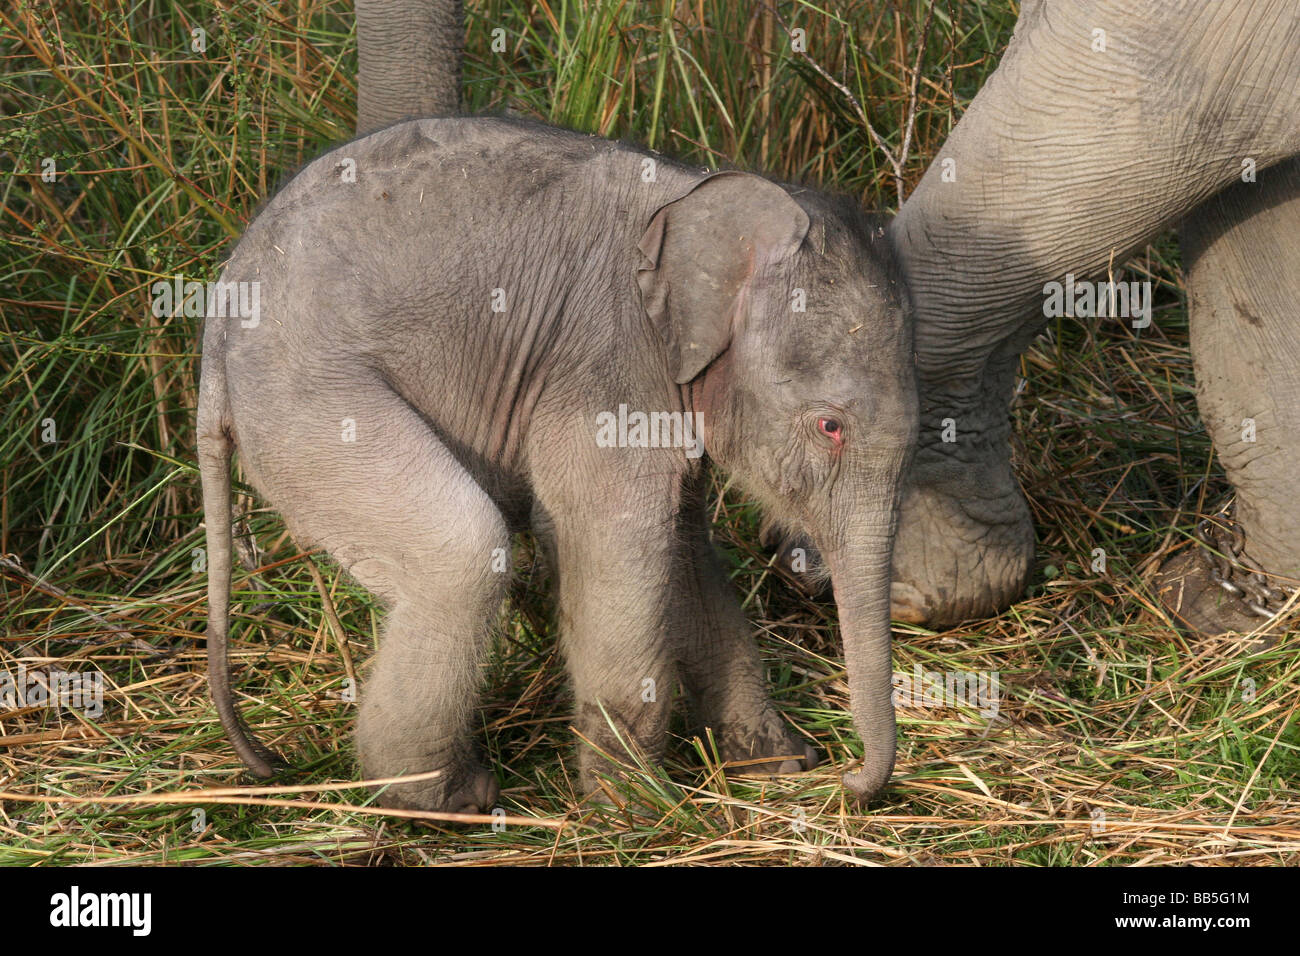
pixel 1223 545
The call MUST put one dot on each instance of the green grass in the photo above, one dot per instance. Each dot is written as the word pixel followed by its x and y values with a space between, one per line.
pixel 163 153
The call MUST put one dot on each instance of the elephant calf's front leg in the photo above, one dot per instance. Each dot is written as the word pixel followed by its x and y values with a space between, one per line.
pixel 614 572
pixel 721 666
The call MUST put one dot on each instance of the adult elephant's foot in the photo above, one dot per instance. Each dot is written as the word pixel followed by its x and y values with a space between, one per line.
pixel 1214 588
pixel 1200 605
pixel 960 556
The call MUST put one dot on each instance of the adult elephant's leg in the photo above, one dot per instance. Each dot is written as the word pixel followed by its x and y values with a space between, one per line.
pixel 409 54
pixel 1241 254
pixel 1070 157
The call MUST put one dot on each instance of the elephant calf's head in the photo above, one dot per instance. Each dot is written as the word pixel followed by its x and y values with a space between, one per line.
pixel 784 316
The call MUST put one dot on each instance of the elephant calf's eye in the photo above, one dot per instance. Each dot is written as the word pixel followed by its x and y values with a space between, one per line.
pixel 830 427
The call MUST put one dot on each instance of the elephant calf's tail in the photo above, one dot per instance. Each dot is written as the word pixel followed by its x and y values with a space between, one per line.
pixel 214 447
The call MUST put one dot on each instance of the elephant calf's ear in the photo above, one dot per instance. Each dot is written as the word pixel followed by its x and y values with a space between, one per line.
pixel 701 254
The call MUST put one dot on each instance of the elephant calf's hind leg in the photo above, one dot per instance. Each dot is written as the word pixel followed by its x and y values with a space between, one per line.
pixel 396 509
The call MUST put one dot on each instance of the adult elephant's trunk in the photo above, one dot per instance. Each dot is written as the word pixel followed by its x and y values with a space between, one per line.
pixel 857 550
pixel 409 56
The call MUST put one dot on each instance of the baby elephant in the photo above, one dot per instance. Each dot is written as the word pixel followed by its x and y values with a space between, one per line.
pixel 468 327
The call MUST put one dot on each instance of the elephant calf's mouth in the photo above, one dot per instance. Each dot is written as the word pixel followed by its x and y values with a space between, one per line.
pixel 797 559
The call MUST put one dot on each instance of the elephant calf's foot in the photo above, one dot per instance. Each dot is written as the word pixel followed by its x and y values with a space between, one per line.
pixel 461 788
pixel 764 747
pixel 1187 588
pixel 612 737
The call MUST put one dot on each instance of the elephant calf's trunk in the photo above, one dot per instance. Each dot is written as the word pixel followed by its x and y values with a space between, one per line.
pixel 860 575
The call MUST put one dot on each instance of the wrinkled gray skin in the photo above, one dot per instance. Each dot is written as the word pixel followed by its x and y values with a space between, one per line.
pixel 1241 254
pixel 409 56
pixel 1066 158
pixel 673 295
